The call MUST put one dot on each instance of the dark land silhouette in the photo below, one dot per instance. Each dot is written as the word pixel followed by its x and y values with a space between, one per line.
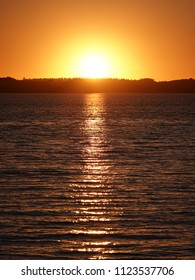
pixel 66 85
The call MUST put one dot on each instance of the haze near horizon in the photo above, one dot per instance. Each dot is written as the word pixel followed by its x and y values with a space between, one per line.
pixel 98 39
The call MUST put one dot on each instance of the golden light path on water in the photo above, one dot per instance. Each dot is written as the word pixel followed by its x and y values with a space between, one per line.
pixel 96 194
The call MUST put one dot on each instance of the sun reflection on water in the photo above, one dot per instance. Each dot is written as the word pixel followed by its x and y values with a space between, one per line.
pixel 95 198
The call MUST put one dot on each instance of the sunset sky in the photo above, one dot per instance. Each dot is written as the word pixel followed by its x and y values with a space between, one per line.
pixel 130 39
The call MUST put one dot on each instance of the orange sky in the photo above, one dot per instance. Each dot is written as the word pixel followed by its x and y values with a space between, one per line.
pixel 137 38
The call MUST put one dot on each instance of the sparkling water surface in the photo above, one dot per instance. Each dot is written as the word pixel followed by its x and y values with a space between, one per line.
pixel 97 176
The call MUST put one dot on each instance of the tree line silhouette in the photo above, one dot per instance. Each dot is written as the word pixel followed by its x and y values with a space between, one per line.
pixel 85 85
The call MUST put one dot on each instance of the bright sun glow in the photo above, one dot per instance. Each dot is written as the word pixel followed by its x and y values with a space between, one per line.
pixel 94 66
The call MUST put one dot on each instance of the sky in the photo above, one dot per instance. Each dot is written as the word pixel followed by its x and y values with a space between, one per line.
pixel 129 39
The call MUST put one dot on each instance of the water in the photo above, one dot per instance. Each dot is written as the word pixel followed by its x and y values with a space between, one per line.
pixel 97 176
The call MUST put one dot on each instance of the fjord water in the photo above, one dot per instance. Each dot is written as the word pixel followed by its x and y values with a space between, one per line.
pixel 97 176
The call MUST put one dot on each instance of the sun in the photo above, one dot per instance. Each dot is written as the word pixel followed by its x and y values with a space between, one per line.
pixel 94 66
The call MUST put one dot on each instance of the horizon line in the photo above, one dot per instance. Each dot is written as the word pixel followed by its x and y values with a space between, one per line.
pixel 96 79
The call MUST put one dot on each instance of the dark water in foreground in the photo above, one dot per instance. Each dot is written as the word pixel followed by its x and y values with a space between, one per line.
pixel 97 176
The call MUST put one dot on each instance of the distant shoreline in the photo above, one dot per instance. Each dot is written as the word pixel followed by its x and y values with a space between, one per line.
pixel 85 85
